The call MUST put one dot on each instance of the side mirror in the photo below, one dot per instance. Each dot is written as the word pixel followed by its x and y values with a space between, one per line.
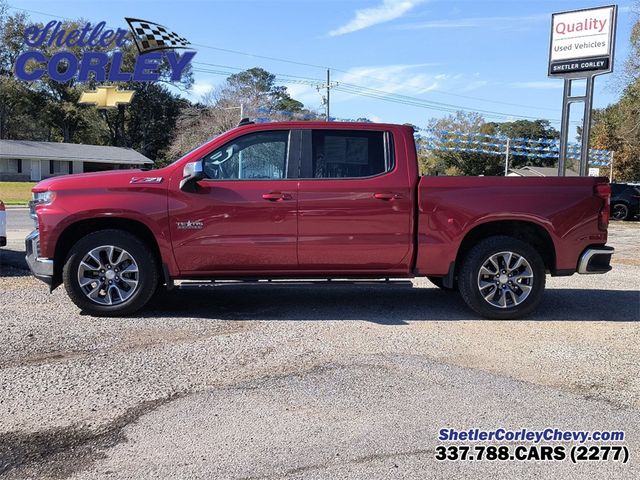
pixel 191 173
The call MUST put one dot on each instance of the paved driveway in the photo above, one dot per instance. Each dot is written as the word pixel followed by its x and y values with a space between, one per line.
pixel 312 381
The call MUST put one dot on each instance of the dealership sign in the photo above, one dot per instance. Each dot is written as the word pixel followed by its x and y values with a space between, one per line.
pixel 582 41
pixel 155 43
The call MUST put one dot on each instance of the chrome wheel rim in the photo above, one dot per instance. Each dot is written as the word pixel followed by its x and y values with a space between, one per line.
pixel 108 275
pixel 619 212
pixel 505 279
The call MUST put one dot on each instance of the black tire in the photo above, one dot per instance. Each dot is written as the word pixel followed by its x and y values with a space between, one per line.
pixel 147 276
pixel 620 211
pixel 437 281
pixel 479 255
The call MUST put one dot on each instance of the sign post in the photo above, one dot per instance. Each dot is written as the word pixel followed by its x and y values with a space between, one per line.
pixel 581 47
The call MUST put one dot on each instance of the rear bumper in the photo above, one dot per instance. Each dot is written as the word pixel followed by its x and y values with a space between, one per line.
pixel 41 268
pixel 595 260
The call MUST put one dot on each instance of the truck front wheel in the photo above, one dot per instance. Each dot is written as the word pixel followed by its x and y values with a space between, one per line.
pixel 502 278
pixel 110 273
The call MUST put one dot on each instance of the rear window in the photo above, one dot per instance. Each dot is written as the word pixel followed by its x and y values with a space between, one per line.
pixel 348 154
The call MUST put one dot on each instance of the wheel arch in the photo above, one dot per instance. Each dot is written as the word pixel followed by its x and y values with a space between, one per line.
pixel 530 232
pixel 75 231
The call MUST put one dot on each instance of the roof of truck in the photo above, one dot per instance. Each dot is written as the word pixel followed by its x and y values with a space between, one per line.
pixel 323 124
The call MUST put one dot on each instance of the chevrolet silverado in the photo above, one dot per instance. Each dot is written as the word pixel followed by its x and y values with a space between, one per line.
pixel 314 200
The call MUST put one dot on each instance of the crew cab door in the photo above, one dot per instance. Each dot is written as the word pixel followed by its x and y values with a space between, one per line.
pixel 355 203
pixel 243 215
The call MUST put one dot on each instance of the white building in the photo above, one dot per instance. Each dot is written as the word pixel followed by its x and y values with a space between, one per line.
pixel 22 160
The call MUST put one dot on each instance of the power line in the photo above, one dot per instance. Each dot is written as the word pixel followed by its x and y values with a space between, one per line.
pixel 444 92
pixel 265 57
pixel 351 88
pixel 38 12
pixel 376 94
pixel 383 93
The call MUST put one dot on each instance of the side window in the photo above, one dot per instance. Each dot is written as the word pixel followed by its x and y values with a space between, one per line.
pixel 348 154
pixel 256 156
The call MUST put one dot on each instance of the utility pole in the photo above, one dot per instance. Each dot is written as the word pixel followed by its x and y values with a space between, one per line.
pixel 241 108
pixel 506 158
pixel 611 168
pixel 328 93
pixel 326 98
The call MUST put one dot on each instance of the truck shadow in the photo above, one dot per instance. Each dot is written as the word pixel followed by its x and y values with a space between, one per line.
pixel 395 303
pixel 12 263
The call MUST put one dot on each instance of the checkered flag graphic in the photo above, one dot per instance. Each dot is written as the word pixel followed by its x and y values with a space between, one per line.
pixel 150 36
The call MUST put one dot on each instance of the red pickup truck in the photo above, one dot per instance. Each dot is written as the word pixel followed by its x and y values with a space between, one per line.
pixel 314 200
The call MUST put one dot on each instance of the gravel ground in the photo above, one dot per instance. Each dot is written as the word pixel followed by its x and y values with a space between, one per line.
pixel 315 381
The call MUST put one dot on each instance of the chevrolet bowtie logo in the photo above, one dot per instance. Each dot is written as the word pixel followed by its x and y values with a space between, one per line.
pixel 107 97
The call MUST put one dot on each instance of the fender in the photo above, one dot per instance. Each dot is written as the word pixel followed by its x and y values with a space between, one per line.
pixel 55 225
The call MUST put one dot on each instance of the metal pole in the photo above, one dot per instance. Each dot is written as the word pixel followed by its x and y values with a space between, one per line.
pixel 240 154
pixel 564 128
pixel 611 168
pixel 586 128
pixel 328 90
pixel 506 158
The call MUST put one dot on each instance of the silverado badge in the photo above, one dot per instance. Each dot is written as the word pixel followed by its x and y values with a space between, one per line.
pixel 190 225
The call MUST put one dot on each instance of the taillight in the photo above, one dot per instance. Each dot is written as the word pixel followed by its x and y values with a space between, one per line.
pixel 603 191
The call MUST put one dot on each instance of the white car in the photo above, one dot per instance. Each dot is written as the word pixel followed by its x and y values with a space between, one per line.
pixel 3 225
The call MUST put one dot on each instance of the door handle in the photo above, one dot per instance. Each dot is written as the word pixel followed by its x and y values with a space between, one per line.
pixel 387 195
pixel 276 196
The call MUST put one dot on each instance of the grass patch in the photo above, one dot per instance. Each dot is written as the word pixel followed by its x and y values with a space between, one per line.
pixel 16 193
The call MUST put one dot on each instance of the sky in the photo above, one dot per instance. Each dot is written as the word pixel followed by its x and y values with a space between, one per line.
pixel 486 56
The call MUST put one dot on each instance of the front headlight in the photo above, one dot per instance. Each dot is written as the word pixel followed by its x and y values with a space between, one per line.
pixel 43 197
pixel 39 198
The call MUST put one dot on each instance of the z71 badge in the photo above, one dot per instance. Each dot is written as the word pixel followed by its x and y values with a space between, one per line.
pixel 189 225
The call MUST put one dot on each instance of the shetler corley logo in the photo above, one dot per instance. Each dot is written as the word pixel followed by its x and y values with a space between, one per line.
pixel 153 41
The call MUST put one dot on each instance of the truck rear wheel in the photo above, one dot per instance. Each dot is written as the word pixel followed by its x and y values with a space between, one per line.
pixel 502 278
pixel 110 273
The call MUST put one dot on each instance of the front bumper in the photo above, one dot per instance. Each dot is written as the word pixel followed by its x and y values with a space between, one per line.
pixel 595 260
pixel 41 268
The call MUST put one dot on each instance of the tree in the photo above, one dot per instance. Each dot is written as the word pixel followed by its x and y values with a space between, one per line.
pixel 617 127
pixel 530 129
pixel 253 92
pixel 533 129
pixel 449 162
pixel 255 88
pixel 48 110
pixel 19 105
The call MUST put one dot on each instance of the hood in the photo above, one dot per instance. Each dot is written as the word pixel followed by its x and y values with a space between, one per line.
pixel 107 179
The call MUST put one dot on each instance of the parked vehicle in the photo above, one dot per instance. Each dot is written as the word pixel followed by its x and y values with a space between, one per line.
pixel 625 201
pixel 314 200
pixel 3 225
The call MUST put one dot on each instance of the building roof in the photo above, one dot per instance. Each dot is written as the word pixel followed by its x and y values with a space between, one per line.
pixel 28 150
pixel 540 172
